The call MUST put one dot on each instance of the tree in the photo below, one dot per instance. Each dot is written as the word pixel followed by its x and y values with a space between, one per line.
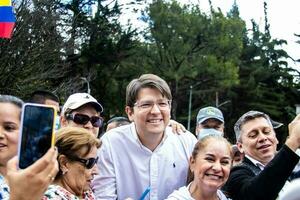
pixel 186 47
pixel 266 82
pixel 31 58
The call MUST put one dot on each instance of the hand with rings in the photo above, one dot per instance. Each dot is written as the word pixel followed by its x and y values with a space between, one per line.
pixel 51 177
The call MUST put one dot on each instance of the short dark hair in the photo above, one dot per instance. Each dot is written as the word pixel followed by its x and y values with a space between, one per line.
pixel 119 120
pixel 40 96
pixel 11 99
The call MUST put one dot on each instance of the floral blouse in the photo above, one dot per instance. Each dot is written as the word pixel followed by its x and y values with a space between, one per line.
pixel 4 189
pixel 56 192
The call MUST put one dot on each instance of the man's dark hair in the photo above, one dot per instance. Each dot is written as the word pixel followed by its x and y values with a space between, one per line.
pixel 119 121
pixel 40 96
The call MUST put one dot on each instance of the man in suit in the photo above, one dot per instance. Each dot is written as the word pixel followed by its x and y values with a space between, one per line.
pixel 263 172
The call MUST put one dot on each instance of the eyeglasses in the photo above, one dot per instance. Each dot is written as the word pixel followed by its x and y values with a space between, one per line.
pixel 88 163
pixel 84 119
pixel 163 104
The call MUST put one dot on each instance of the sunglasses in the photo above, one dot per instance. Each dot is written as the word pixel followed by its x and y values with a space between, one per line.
pixel 88 163
pixel 84 119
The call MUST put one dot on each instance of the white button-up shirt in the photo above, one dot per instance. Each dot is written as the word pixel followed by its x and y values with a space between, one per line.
pixel 127 168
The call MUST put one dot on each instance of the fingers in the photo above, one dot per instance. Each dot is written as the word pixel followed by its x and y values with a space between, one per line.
pixel 46 161
pixel 182 128
pixel 12 164
pixel 177 128
pixel 293 141
pixel 52 167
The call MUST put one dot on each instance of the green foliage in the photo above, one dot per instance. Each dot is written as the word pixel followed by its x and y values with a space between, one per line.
pixel 59 45
pixel 185 46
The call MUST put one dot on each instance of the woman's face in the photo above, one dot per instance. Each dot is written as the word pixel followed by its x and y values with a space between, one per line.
pixel 9 131
pixel 212 165
pixel 78 178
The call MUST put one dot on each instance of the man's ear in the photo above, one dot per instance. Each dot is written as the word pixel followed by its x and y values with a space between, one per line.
pixel 198 128
pixel 240 147
pixel 63 121
pixel 129 111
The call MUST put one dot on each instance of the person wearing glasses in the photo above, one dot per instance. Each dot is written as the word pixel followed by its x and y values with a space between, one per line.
pixel 82 110
pixel 77 158
pixel 144 155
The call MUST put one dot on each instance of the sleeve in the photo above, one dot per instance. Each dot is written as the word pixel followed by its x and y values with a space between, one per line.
pixel 243 184
pixel 104 184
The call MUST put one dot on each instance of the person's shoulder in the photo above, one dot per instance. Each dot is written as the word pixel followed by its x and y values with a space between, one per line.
pixel 222 196
pixel 291 191
pixel 183 142
pixel 180 194
pixel 117 133
pixel 183 136
pixel 246 167
pixel 186 138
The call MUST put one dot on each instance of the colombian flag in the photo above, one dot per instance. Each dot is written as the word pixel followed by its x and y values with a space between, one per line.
pixel 7 19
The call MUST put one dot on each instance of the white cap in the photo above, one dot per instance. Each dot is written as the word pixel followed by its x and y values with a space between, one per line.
pixel 79 99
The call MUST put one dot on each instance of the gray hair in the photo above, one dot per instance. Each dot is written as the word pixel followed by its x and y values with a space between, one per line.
pixel 250 115
pixel 11 99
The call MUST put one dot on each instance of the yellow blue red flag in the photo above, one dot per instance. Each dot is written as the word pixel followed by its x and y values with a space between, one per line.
pixel 7 19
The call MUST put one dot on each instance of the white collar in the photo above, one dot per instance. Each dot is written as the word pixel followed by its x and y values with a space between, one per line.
pixel 256 162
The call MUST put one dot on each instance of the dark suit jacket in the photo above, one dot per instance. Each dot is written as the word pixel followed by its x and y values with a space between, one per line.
pixel 248 182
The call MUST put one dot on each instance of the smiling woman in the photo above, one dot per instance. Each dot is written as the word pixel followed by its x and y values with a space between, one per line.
pixel 210 165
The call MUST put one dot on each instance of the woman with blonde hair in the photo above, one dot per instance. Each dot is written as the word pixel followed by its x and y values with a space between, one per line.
pixel 210 165
pixel 77 158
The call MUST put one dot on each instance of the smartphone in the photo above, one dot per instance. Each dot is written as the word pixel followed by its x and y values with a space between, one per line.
pixel 36 132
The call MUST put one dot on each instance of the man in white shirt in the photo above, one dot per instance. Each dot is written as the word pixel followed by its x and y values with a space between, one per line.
pixel 144 153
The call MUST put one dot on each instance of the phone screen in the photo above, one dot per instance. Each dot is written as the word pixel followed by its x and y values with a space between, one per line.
pixel 36 137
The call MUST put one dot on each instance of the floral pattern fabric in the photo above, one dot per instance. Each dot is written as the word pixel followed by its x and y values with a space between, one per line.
pixel 4 189
pixel 56 192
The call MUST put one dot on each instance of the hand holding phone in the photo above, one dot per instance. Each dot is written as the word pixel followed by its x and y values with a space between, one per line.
pixel 36 133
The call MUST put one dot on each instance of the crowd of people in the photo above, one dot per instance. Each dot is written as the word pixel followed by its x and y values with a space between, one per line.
pixel 146 155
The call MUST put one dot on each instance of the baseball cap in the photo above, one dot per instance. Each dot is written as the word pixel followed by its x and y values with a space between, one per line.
pixel 79 99
pixel 207 132
pixel 209 113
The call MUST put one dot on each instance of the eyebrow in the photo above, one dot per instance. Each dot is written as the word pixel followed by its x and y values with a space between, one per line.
pixel 210 154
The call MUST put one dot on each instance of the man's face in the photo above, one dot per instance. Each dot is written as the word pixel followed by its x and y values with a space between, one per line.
pixel 258 140
pixel 53 103
pixel 151 113
pixel 210 123
pixel 85 110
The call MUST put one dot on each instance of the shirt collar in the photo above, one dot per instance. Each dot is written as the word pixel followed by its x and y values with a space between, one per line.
pixel 256 162
pixel 133 130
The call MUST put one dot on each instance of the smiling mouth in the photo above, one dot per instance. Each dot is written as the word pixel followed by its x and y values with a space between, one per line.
pixel 263 147
pixel 214 176
pixel 154 121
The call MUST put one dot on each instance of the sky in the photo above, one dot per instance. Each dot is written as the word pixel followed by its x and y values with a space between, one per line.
pixel 283 16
